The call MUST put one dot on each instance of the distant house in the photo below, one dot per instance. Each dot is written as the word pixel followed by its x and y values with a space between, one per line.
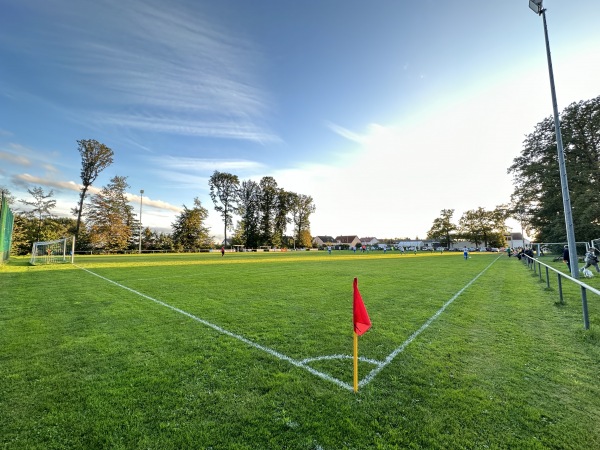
pixel 321 241
pixel 516 240
pixel 407 243
pixel 369 241
pixel 351 241
pixel 462 244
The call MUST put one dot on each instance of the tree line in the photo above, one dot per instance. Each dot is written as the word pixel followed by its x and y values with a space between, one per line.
pixel 107 221
pixel 265 211
pixel 483 228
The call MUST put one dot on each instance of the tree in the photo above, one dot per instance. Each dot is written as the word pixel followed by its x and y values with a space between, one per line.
pixel 162 241
pixel 248 200
pixel 497 219
pixel 470 226
pixel 223 192
pixel 27 230
pixel 40 206
pixel 10 199
pixel 95 157
pixel 267 209
pixel 305 239
pixel 111 217
pixel 280 217
pixel 302 207
pixel 443 228
pixel 479 225
pixel 538 191
pixel 189 229
pixel 23 235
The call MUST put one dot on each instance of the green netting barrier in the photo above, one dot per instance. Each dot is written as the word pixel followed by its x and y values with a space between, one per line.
pixel 6 228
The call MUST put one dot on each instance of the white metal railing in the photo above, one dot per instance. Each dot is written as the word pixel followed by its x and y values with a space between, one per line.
pixel 536 265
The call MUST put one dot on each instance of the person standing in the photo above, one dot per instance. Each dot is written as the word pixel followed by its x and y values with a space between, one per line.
pixel 223 251
pixel 529 253
pixel 566 257
pixel 465 253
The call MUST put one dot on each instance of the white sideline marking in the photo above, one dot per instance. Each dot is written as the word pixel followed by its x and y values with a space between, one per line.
pixel 366 380
pixel 380 365
pixel 272 352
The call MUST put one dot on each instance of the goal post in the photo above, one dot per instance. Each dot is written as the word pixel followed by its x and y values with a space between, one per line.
pixel 53 252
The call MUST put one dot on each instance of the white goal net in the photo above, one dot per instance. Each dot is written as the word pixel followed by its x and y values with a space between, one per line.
pixel 52 252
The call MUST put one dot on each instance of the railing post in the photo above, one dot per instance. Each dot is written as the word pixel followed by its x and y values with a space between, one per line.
pixel 547 278
pixel 560 288
pixel 586 319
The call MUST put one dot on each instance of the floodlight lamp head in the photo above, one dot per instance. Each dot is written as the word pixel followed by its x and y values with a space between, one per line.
pixel 536 6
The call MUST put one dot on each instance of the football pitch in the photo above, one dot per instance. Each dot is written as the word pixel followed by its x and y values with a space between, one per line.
pixel 253 351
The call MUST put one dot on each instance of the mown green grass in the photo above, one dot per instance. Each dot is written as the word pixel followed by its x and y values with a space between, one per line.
pixel 85 363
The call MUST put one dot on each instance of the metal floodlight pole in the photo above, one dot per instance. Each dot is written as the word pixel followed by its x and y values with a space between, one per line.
pixel 536 6
pixel 141 197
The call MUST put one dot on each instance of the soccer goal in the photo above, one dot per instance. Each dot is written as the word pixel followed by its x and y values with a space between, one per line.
pixel 53 252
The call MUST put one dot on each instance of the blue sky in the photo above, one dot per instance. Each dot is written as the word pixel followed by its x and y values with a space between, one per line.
pixel 384 112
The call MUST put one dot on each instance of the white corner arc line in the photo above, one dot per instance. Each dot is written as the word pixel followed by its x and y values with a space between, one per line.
pixel 366 380
pixel 331 357
pixel 276 354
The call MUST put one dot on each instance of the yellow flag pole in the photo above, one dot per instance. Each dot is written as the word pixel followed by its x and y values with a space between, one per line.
pixel 355 362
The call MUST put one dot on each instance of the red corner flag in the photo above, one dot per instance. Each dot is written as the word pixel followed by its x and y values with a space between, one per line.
pixel 361 319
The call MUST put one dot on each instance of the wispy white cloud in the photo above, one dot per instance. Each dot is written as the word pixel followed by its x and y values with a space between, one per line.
pixel 232 129
pixel 156 204
pixel 15 159
pixel 27 157
pixel 165 68
pixel 194 173
pixel 345 133
pixel 26 180
pixel 203 165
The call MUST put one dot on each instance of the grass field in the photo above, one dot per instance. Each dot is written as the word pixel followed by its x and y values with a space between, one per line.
pixel 252 351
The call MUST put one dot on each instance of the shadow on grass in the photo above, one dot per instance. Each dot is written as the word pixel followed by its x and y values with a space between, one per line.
pixel 17 262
